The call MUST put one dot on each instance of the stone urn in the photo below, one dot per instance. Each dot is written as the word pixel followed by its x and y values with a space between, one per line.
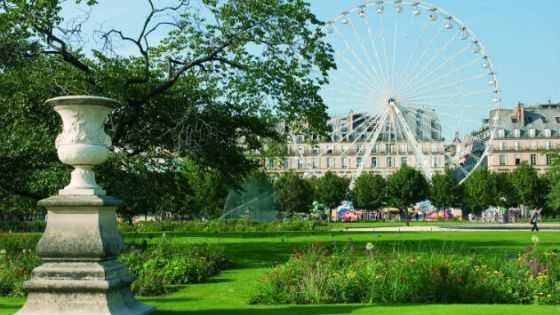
pixel 83 142
pixel 80 273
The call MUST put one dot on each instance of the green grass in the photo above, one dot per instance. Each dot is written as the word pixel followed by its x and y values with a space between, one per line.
pixel 254 253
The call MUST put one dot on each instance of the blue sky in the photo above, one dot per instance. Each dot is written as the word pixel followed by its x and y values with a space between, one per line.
pixel 522 37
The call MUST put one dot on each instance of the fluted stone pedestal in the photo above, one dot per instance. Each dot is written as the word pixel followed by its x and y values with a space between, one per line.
pixel 80 274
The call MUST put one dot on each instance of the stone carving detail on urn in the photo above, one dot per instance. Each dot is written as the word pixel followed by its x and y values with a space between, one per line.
pixel 80 273
pixel 83 142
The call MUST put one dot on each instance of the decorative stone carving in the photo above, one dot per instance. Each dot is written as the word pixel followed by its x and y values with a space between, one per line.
pixel 80 273
pixel 83 142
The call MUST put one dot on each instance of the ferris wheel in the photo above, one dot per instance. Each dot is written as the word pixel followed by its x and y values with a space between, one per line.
pixel 413 85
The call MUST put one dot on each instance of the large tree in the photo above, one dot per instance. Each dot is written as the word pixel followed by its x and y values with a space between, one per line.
pixel 211 90
pixel 478 193
pixel 369 192
pixel 406 187
pixel 529 188
pixel 445 190
pixel 293 193
pixel 332 189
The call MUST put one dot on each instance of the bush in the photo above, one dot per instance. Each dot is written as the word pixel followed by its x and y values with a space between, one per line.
pixel 164 267
pixel 22 226
pixel 223 226
pixel 159 268
pixel 320 276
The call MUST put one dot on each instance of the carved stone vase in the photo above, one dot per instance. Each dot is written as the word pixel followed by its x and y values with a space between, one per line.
pixel 80 273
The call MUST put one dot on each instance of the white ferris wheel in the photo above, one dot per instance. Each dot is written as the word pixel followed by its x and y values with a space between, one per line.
pixel 413 85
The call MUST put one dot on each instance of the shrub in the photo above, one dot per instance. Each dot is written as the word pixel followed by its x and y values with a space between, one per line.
pixel 159 268
pixel 164 267
pixel 320 276
pixel 223 226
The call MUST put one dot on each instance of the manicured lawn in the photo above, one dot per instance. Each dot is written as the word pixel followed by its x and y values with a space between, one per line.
pixel 254 253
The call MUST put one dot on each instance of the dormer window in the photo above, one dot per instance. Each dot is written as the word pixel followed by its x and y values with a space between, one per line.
pixel 532 132
pixel 501 133
pixel 547 133
pixel 516 133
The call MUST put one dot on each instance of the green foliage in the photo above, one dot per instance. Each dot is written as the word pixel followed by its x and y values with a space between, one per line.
pixel 160 267
pixel 369 192
pixel 322 276
pixel 527 185
pixel 501 186
pixel 224 226
pixel 208 189
pixel 405 187
pixel 293 193
pixel 445 190
pixel 211 90
pixel 332 189
pixel 477 191
pixel 164 267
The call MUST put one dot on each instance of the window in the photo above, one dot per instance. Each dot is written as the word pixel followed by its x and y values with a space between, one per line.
pixel 502 160
pixel 517 161
pixel 501 133
pixel 316 149
pixel 517 133
pixel 329 148
pixel 435 161
pixel 301 150
pixel 315 163
pixel 374 162
pixel 501 146
pixel 286 163
pixel 547 133
pixel 532 132
pixel 358 162
pixel 516 145
pixel 389 162
pixel 547 145
pixel 548 159
pixel 270 163
pixel 533 159
pixel 404 160
pixel 434 148
pixel 300 163
pixel 330 162
pixel 344 163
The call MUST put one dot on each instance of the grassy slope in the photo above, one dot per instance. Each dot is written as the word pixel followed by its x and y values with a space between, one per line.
pixel 254 253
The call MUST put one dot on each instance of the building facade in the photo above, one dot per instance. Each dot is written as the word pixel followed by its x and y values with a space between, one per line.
pixel 350 149
pixel 524 134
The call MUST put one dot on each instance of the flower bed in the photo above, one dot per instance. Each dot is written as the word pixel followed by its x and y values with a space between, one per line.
pixel 159 268
pixel 321 276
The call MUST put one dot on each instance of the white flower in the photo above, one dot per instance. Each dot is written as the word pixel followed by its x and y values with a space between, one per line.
pixel 2 252
pixel 535 239
pixel 369 246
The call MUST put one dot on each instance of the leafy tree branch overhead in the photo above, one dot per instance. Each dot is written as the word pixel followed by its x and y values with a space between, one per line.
pixel 203 75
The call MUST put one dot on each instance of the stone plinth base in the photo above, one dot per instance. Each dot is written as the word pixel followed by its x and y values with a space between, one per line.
pixel 80 274
pixel 81 288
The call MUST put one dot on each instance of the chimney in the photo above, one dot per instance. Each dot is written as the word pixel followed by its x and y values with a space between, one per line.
pixel 519 114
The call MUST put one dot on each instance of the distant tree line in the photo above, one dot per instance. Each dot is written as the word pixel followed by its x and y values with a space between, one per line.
pixel 523 187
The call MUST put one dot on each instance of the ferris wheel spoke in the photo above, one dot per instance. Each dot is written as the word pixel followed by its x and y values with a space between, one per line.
pixel 367 54
pixel 449 74
pixel 351 49
pixel 448 96
pixel 418 46
pixel 420 74
pixel 419 60
pixel 443 64
pixel 373 44
pixel 430 91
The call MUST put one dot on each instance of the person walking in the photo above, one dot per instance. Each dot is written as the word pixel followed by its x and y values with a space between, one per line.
pixel 534 219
